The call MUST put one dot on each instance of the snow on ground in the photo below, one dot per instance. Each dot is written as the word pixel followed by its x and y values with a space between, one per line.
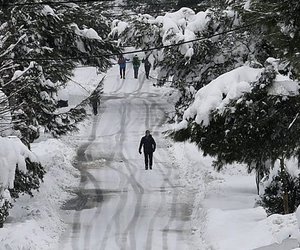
pixel 225 215
pixel 224 212
pixel 34 222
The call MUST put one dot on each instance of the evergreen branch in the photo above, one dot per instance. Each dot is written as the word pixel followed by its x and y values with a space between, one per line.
pixel 18 77
pixel 83 2
pixel 144 50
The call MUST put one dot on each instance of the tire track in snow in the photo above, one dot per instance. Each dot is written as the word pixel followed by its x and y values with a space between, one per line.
pixel 121 204
pixel 137 188
pixel 154 107
pixel 79 160
pixel 166 230
pixel 123 198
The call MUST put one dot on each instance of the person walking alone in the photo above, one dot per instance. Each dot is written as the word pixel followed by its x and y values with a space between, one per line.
pixel 147 66
pixel 149 146
pixel 94 99
pixel 136 64
pixel 122 63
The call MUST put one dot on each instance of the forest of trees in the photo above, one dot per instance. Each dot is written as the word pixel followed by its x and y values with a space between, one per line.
pixel 234 33
pixel 41 45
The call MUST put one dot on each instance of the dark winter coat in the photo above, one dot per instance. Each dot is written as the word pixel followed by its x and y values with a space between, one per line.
pixel 147 64
pixel 136 62
pixel 148 143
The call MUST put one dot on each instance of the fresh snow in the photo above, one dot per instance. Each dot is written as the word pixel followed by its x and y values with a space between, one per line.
pixel 47 10
pixel 35 223
pixel 19 73
pixel 224 215
pixel 5 118
pixel 179 26
pixel 13 152
pixel 231 86
pixel 87 33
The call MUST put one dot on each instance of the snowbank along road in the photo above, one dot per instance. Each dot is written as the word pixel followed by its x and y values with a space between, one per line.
pixel 120 205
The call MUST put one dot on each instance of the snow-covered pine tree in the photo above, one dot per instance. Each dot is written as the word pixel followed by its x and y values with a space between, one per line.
pixel 20 173
pixel 257 129
pixel 191 65
pixel 272 197
pixel 39 48
pixel 277 23
pixel 49 43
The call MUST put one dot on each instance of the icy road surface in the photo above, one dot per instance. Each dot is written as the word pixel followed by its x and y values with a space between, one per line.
pixel 119 204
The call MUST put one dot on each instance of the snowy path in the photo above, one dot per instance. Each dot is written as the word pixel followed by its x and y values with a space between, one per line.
pixel 119 204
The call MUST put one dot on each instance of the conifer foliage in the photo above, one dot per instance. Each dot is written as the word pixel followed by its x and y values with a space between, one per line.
pixel 258 129
pixel 189 66
pixel 279 29
pixel 40 45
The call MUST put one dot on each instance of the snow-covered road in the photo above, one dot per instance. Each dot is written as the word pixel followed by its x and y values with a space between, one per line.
pixel 120 205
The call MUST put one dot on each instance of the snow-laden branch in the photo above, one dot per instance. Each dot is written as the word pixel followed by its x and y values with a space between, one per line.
pixel 231 86
pixel 87 33
pixel 19 73
pixel 12 46
pixel 13 153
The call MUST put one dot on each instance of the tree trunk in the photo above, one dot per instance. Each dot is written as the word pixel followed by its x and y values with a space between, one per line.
pixel 258 178
pixel 285 196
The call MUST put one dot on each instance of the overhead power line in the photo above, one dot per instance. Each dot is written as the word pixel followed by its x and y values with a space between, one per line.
pixel 53 3
pixel 141 50
pixel 82 2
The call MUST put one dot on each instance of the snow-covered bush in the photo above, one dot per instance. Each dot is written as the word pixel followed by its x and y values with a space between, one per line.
pixel 276 184
pixel 20 172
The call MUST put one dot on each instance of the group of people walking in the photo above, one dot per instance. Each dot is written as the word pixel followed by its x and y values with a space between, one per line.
pixel 147 142
pixel 136 63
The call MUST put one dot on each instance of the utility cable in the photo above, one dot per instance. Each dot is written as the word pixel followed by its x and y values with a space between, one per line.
pixel 138 51
pixel 79 84
pixel 84 2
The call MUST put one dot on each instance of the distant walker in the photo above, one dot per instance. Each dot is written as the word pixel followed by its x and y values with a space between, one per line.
pixel 149 145
pixel 122 63
pixel 136 64
pixel 147 66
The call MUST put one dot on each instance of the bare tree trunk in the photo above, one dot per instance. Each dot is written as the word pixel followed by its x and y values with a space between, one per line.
pixel 285 195
pixel 258 178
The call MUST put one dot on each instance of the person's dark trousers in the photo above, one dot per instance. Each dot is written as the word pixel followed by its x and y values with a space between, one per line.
pixel 147 71
pixel 95 109
pixel 122 72
pixel 148 159
pixel 136 70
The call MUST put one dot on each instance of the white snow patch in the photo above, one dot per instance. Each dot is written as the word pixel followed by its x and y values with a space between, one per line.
pixel 34 223
pixel 231 85
pixel 19 73
pixel 88 33
pixel 47 10
pixel 284 86
pixel 13 152
pixel 118 27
